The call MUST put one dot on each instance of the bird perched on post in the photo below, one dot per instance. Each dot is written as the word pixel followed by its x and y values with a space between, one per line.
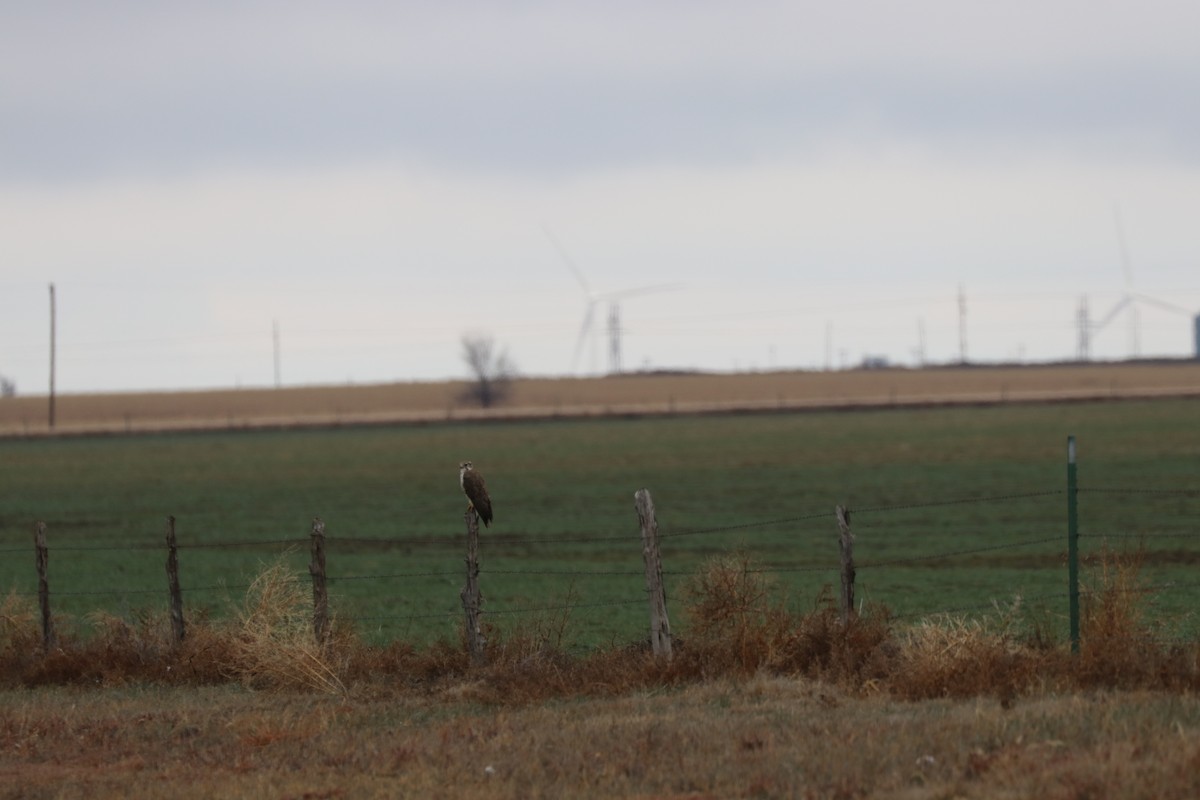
pixel 475 489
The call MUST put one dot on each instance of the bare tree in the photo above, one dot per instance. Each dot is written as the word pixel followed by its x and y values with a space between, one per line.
pixel 8 387
pixel 492 370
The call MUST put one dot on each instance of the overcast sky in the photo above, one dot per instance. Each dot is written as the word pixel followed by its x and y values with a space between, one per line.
pixel 805 183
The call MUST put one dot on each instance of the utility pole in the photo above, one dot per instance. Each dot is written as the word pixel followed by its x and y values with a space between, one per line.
pixel 275 341
pixel 920 342
pixel 962 324
pixel 52 349
pixel 828 345
pixel 1083 321
pixel 614 338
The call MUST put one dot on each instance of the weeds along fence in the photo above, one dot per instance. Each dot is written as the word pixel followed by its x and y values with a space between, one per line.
pixel 1024 553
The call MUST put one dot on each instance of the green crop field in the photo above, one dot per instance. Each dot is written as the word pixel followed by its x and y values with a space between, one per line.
pixel 952 509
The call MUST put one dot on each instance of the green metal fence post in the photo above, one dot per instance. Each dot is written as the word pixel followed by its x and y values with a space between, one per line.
pixel 1073 543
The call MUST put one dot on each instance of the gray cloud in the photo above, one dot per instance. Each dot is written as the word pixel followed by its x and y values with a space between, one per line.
pixel 532 88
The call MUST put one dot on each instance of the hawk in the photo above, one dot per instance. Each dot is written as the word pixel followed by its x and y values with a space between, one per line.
pixel 475 489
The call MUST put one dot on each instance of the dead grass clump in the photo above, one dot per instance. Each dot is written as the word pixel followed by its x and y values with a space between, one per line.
pixel 108 651
pixel 735 625
pixel 121 650
pixel 1119 644
pixel 20 637
pixel 738 625
pixel 528 664
pixel 859 653
pixel 274 646
pixel 401 666
pixel 205 657
pixel 952 656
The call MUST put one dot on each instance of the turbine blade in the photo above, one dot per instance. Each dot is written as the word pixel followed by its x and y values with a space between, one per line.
pixel 566 259
pixel 1126 264
pixel 1111 315
pixel 583 332
pixel 1154 301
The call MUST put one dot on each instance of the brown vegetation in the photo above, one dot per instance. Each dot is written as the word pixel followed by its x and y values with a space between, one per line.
pixel 759 701
pixel 737 625
pixel 622 394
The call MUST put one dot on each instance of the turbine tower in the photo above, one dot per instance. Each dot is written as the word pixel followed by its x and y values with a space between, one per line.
pixel 588 330
pixel 1128 299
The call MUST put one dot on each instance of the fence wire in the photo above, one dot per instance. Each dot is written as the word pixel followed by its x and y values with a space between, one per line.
pixel 336 543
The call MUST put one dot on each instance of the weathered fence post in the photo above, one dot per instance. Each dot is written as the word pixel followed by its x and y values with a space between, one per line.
pixel 178 629
pixel 472 598
pixel 846 549
pixel 660 625
pixel 316 568
pixel 43 559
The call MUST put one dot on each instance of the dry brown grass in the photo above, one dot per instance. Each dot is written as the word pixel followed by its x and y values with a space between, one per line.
pixel 736 625
pixel 739 624
pixel 763 736
pixel 275 646
pixel 758 702
pixel 1122 643
pixel 952 656
pixel 540 397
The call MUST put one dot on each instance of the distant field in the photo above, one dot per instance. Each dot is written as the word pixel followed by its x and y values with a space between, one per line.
pixel 953 508
pixel 627 394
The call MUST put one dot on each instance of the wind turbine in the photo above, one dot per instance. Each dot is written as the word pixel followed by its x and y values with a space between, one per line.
pixel 588 330
pixel 1127 303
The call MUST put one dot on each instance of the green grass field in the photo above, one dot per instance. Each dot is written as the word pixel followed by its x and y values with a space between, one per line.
pixel 566 533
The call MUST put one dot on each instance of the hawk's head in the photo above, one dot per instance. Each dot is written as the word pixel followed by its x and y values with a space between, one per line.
pixel 464 466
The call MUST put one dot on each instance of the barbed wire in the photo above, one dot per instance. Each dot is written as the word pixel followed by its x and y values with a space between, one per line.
pixel 391 576
pixel 240 543
pixel 1119 490
pixel 125 591
pixel 95 592
pixel 585 538
pixel 996 604
pixel 631 537
pixel 216 587
pixel 773 569
pixel 371 541
pixel 956 553
pixel 565 607
pixel 497 611
pixel 999 498
pixel 1143 535
pixel 740 526
pixel 496 540
pixel 70 548
pixel 767 569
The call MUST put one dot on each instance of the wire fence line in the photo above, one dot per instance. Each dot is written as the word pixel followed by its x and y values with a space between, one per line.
pixel 599 538
pixel 1136 491
pixel 348 544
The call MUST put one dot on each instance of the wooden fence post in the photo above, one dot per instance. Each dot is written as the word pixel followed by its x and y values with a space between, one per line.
pixel 43 559
pixel 178 629
pixel 846 548
pixel 660 625
pixel 472 598
pixel 316 568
